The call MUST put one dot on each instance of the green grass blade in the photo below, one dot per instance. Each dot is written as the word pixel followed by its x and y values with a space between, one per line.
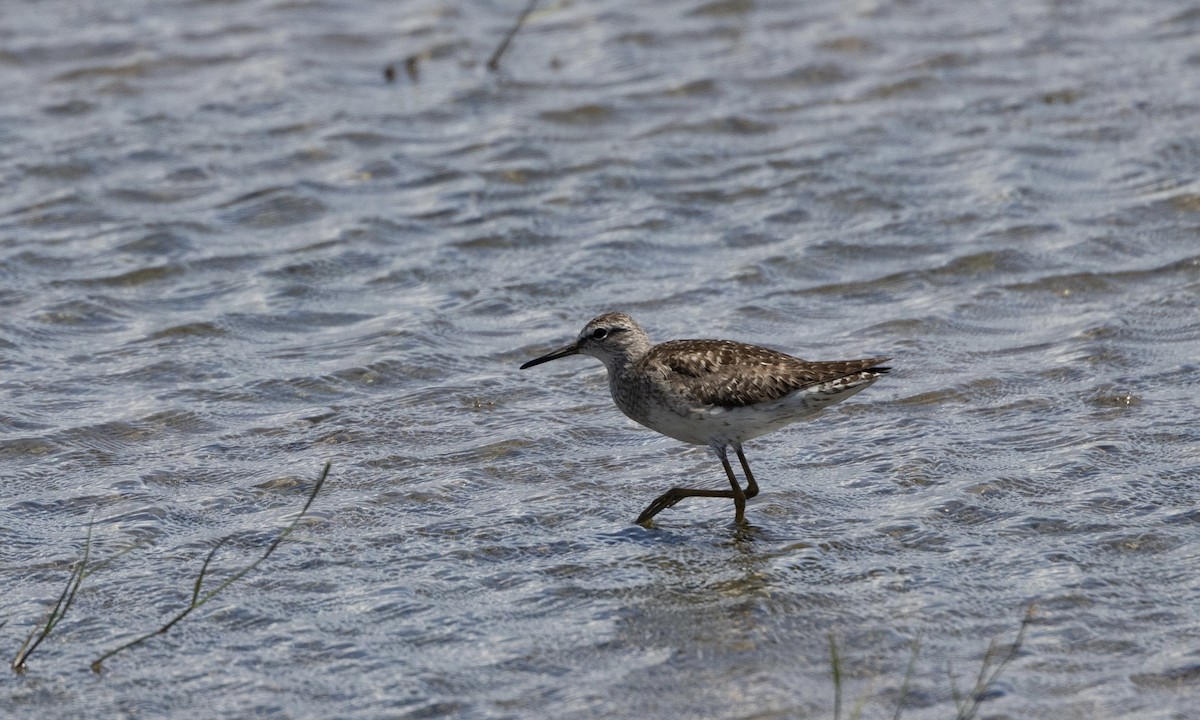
pixel 493 62
pixel 990 669
pixel 59 611
pixel 835 663
pixel 908 676
pixel 198 599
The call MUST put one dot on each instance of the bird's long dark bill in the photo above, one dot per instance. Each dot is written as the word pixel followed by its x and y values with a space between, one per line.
pixel 572 349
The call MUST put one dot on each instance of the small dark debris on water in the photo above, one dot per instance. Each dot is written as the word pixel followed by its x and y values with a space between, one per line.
pixel 412 67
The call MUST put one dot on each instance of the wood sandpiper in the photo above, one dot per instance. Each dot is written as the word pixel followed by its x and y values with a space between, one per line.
pixel 711 392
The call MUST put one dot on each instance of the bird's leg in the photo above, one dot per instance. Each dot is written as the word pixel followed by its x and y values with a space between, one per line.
pixel 751 486
pixel 739 497
pixel 676 494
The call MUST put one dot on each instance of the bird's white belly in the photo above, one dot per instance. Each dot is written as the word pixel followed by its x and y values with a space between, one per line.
pixel 720 426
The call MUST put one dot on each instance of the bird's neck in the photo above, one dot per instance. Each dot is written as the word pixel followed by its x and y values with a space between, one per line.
pixel 620 362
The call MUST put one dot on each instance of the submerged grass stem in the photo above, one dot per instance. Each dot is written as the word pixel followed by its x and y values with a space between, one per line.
pixel 493 63
pixel 59 611
pixel 198 600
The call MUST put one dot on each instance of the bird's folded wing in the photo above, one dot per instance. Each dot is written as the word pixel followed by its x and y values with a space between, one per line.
pixel 731 374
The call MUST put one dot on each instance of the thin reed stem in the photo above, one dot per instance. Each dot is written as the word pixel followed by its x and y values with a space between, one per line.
pixel 908 676
pixel 493 63
pixel 835 662
pixel 59 611
pixel 199 600
pixel 990 669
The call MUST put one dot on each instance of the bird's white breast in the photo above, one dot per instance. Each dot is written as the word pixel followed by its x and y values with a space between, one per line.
pixel 720 426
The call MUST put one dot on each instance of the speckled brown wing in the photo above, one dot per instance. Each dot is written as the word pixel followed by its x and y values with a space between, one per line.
pixel 732 374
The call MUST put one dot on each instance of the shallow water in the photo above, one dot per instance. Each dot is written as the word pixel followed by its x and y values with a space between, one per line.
pixel 231 251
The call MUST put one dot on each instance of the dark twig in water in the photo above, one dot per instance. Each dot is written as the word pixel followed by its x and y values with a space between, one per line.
pixel 199 600
pixel 59 611
pixel 494 63
pixel 835 663
pixel 966 707
pixel 412 66
pixel 990 669
pixel 908 675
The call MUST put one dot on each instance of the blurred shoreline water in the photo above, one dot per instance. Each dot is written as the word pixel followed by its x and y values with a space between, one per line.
pixel 231 249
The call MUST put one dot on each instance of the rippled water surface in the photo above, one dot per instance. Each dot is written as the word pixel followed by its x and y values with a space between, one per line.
pixel 231 249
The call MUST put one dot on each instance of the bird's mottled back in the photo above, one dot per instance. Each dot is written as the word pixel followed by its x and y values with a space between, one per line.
pixel 732 374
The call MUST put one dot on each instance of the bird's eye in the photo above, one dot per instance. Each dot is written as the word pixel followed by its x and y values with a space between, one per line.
pixel 599 334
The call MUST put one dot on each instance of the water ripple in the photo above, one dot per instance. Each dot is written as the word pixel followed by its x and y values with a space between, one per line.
pixel 234 247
